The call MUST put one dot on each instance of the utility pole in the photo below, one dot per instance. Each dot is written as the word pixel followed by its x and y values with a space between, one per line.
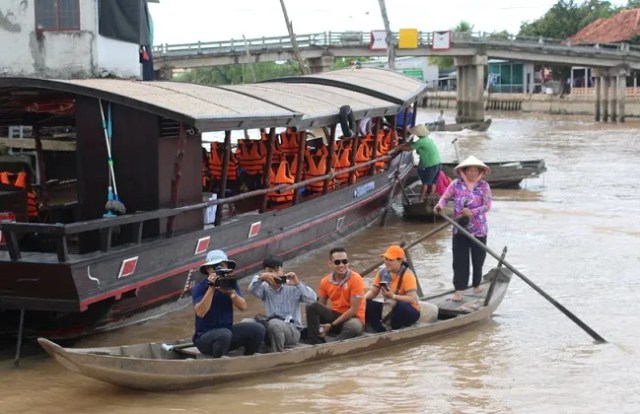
pixel 391 51
pixel 246 49
pixel 294 43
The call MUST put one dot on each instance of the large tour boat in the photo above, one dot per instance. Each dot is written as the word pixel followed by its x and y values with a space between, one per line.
pixel 113 191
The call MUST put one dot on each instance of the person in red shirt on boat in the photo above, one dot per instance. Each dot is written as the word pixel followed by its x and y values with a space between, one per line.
pixel 214 299
pixel 398 286
pixel 345 289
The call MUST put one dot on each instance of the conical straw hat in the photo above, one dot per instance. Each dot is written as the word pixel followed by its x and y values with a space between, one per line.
pixel 472 161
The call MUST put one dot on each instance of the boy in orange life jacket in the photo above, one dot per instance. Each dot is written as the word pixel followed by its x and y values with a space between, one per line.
pixel 345 288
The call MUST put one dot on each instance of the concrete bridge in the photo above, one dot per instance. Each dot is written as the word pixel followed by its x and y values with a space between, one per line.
pixel 613 62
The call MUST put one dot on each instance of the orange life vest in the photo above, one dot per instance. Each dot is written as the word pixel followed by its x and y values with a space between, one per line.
pixel 363 155
pixel 283 176
pixel 344 162
pixel 21 182
pixel 251 155
pixel 4 178
pixel 215 163
pixel 316 166
pixel 289 143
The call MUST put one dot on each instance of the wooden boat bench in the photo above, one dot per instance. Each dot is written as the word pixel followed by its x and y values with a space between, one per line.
pixel 191 352
pixel 451 309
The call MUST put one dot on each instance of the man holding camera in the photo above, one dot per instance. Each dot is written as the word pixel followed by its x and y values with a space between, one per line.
pixel 214 299
pixel 282 294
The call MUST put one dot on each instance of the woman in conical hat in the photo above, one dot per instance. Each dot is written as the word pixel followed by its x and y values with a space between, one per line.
pixel 471 197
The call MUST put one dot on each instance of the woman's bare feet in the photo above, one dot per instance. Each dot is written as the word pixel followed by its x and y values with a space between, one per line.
pixel 457 296
pixel 477 290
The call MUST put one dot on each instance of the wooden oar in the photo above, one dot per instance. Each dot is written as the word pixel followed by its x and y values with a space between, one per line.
pixel 410 245
pixel 535 287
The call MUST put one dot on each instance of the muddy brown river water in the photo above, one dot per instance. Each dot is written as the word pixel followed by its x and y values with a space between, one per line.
pixel 575 232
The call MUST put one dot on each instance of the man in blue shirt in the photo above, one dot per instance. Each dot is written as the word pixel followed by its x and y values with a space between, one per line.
pixel 282 295
pixel 214 299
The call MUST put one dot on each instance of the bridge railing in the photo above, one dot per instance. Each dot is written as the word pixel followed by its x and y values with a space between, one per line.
pixel 362 39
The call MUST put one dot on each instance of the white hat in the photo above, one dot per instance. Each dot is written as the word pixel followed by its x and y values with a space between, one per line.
pixel 472 161
pixel 215 257
pixel 420 130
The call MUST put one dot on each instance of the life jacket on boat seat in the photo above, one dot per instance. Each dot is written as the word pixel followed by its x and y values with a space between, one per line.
pixel 282 176
pixel 322 150
pixel 363 155
pixel 215 163
pixel 251 155
pixel 32 199
pixel 316 166
pixel 289 143
pixel 277 151
pixel 4 178
pixel 384 145
pixel 344 162
pixel 292 160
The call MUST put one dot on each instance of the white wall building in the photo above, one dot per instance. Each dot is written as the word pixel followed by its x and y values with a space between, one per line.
pixel 60 39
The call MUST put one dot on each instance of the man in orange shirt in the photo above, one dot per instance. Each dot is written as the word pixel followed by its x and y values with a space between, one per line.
pixel 345 289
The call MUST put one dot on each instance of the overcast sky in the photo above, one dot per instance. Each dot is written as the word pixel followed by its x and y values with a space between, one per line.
pixel 186 21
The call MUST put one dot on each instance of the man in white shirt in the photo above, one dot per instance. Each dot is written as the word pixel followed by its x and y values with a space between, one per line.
pixel 282 294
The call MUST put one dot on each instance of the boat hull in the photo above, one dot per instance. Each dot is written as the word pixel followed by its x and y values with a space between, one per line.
pixel 66 300
pixel 506 174
pixel 473 126
pixel 151 367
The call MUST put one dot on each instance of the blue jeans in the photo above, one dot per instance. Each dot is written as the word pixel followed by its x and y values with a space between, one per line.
pixel 429 175
pixel 218 341
pixel 403 314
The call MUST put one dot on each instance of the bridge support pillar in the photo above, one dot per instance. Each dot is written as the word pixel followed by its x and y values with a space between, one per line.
pixel 622 87
pixel 470 105
pixel 606 85
pixel 596 90
pixel 321 64
pixel 613 102
pixel 611 89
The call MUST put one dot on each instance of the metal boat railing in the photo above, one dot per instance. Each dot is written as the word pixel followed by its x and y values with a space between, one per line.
pixel 60 233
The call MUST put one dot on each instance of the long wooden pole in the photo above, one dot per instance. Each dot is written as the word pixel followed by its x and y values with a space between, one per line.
pixel 294 42
pixel 391 52
pixel 535 287
pixel 408 246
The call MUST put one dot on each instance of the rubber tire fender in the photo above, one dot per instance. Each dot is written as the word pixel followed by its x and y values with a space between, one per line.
pixel 347 121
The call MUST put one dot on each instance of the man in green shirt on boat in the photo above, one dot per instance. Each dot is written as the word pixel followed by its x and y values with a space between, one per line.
pixel 430 165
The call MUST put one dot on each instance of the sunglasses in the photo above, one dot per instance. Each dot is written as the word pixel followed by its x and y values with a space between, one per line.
pixel 337 262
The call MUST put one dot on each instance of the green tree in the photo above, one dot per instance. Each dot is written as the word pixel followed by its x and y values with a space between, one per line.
pixel 564 19
pixel 239 73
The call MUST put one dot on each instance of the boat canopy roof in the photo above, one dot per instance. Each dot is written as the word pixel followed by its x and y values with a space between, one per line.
pixel 301 101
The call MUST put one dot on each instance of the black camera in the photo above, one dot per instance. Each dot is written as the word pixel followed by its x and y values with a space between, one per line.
pixel 282 279
pixel 221 281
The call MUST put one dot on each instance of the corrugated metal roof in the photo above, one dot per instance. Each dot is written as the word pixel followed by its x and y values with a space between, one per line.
pixel 313 100
pixel 382 83
pixel 319 104
pixel 205 107
pixel 619 28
